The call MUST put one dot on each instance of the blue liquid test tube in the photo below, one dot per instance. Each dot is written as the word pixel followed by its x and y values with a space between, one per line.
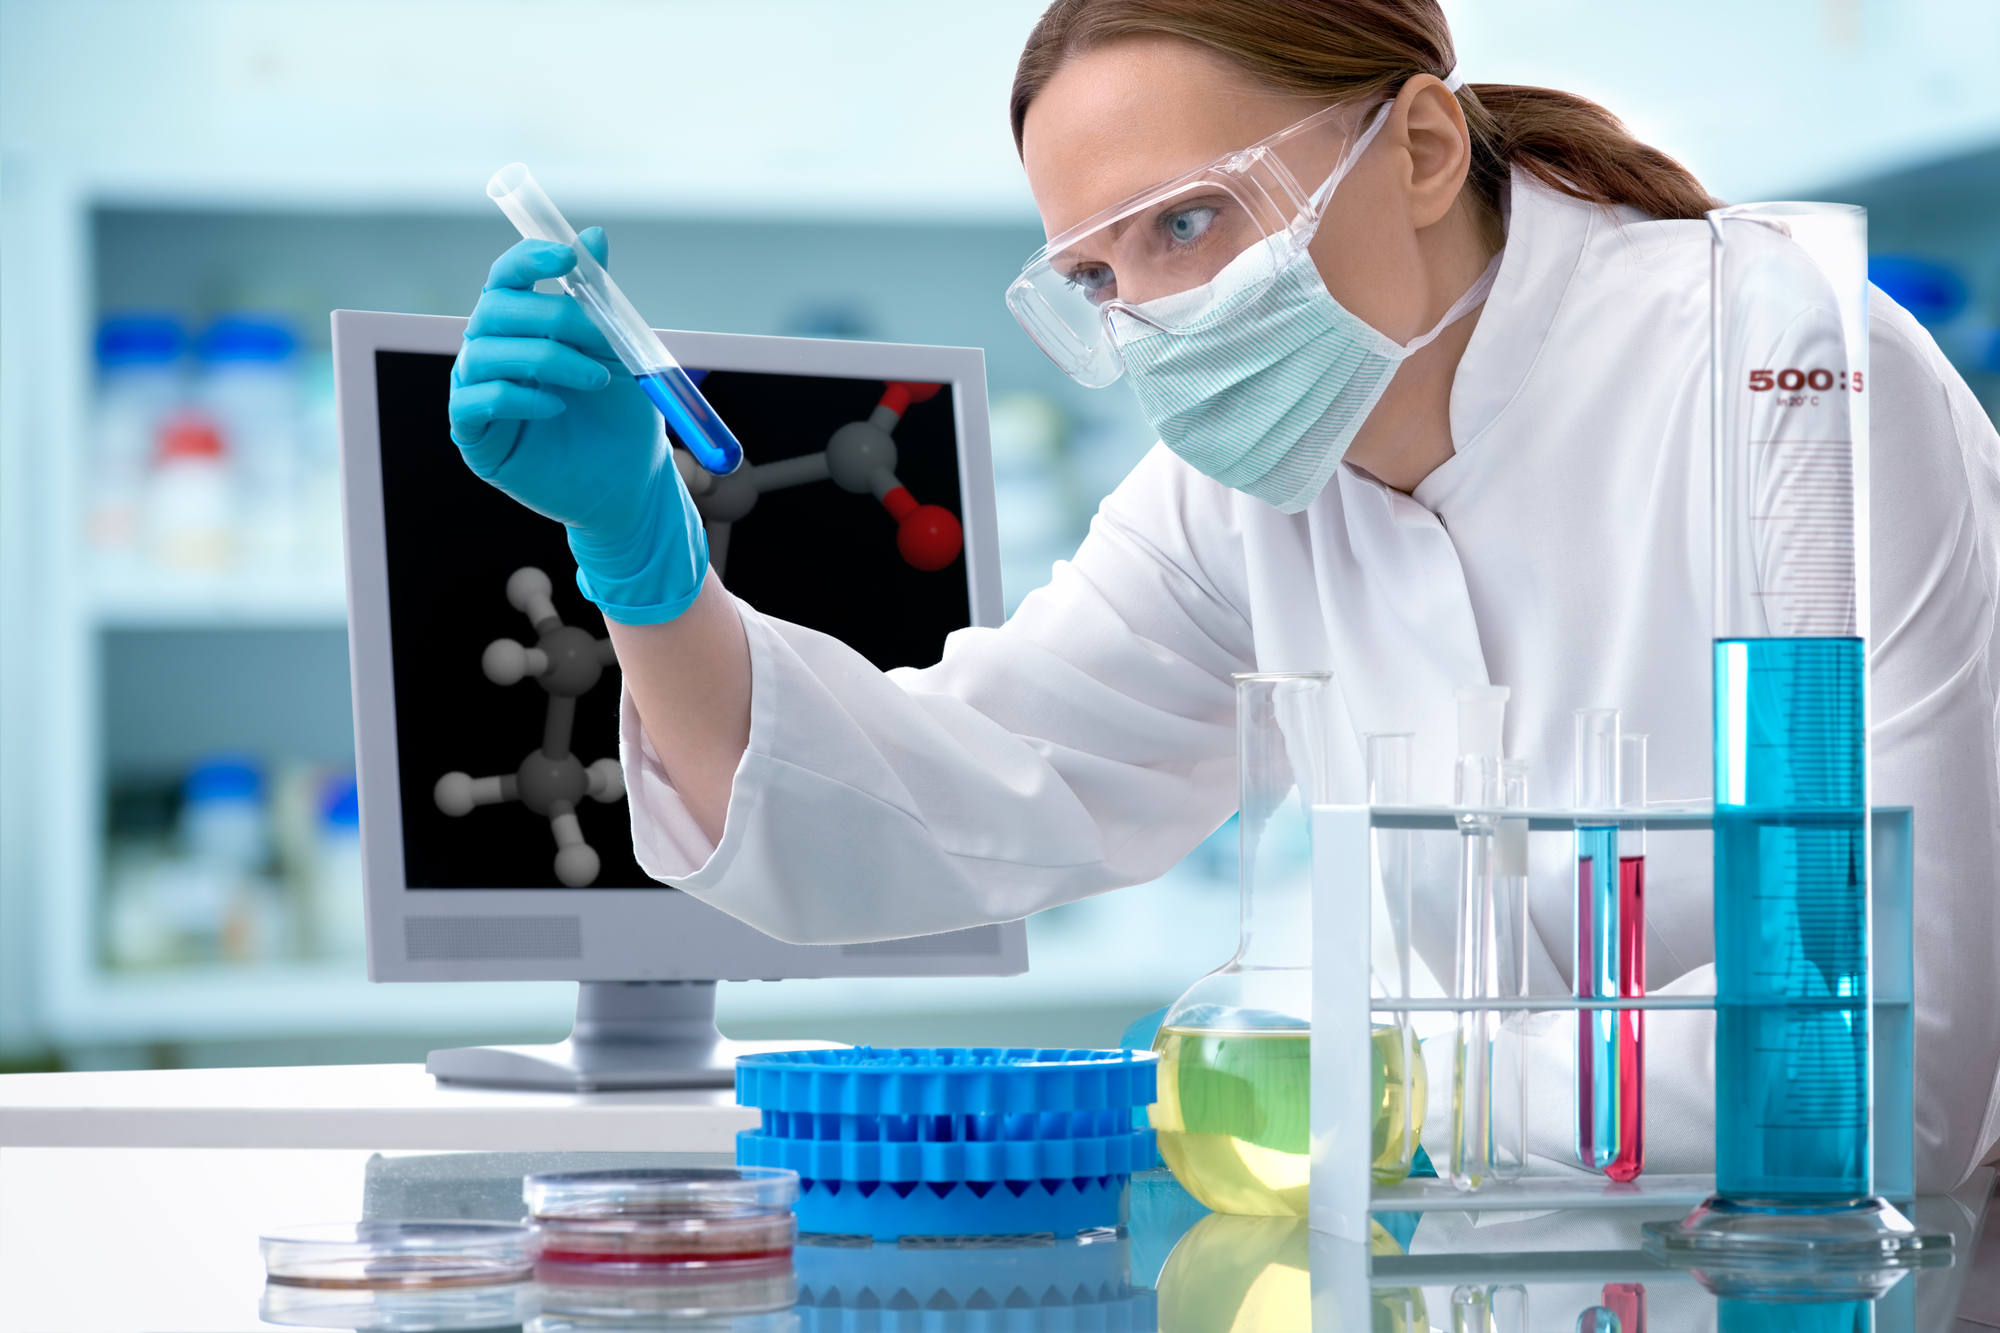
pixel 693 422
pixel 1597 1083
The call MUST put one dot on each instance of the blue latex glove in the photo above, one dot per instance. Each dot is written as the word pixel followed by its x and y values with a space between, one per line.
pixel 542 409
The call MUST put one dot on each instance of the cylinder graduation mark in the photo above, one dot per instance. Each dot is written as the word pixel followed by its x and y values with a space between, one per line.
pixel 859 458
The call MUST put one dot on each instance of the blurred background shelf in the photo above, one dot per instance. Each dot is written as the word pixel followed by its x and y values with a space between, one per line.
pixel 142 599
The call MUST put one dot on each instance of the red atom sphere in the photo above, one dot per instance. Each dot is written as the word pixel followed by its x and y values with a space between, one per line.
pixel 929 537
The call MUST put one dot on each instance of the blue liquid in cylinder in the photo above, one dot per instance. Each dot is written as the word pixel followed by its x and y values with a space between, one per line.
pixel 693 421
pixel 1791 920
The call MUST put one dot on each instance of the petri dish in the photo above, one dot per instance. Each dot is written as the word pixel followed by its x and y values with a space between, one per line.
pixel 609 1293
pixel 399 1256
pixel 716 1216
pixel 402 1310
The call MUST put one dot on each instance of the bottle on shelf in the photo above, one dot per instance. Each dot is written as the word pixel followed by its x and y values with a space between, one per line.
pixel 250 386
pixel 339 927
pixel 190 505
pixel 208 896
pixel 139 364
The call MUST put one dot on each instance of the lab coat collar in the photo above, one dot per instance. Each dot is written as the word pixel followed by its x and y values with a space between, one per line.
pixel 1547 235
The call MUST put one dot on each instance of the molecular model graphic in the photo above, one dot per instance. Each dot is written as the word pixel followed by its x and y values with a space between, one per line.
pixel 566 663
pixel 861 457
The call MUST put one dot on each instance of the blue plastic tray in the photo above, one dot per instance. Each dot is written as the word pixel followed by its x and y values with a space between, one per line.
pixel 892 1143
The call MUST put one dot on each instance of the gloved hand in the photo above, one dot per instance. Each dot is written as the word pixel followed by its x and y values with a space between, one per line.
pixel 542 409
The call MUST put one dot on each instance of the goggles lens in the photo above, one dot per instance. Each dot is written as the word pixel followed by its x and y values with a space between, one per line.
pixel 1119 273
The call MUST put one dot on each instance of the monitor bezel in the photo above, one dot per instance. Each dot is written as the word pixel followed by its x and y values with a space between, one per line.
pixel 617 925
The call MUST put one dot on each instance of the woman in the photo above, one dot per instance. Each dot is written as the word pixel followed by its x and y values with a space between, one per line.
pixel 1460 438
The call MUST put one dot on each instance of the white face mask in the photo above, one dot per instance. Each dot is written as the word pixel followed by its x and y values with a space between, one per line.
pixel 1265 389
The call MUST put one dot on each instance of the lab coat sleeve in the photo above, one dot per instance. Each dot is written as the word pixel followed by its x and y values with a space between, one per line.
pixel 1087 744
pixel 1935 492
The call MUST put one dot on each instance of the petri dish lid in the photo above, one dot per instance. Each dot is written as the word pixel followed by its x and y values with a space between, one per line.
pixel 400 1255
pixel 695 1189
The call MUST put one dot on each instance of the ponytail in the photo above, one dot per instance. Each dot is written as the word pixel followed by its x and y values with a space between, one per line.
pixel 1343 50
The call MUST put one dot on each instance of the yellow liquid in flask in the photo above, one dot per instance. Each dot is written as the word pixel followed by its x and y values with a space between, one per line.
pixel 1395 1136
pixel 1233 1115
pixel 1231 1118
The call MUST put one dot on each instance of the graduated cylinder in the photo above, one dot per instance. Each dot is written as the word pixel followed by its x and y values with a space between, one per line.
pixel 1791 703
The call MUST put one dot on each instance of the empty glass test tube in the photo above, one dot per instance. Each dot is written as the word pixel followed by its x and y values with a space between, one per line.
pixel 1596 975
pixel 695 425
pixel 1401 1092
pixel 1478 786
pixel 1510 914
pixel 1482 713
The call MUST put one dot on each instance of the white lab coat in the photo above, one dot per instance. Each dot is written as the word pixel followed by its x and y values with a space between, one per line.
pixel 1564 551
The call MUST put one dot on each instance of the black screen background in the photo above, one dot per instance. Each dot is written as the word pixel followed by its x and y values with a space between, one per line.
pixel 815 555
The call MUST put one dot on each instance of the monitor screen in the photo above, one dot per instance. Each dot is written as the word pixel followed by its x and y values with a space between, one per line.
pixel 809 552
pixel 471 872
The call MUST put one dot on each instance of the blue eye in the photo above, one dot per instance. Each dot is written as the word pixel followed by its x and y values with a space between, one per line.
pixel 1096 280
pixel 1189 224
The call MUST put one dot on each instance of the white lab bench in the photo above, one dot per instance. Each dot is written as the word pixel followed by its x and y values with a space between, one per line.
pixel 353 1106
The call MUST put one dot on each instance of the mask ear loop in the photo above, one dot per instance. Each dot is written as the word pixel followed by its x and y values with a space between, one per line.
pixel 1481 288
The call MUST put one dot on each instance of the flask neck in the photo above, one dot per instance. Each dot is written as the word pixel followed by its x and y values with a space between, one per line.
pixel 1276 907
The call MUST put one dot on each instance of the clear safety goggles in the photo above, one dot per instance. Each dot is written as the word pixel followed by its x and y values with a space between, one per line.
pixel 1116 275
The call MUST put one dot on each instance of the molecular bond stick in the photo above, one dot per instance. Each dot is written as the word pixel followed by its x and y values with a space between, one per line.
pixel 566 663
pixel 861 457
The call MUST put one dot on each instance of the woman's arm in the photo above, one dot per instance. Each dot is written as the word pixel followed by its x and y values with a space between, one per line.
pixel 1087 744
pixel 690 679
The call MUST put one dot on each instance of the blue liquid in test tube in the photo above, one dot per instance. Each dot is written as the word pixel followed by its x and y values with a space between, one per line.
pixel 1791 916
pixel 1597 911
pixel 1597 978
pixel 694 424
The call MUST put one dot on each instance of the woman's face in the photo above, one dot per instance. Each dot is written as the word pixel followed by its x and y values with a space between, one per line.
pixel 1124 117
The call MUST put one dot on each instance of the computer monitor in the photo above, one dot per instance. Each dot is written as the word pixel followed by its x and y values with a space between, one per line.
pixel 489 853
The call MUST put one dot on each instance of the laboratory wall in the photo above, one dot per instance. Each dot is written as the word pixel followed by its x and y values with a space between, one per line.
pixel 189 187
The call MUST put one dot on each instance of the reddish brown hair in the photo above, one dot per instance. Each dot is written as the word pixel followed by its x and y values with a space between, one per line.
pixel 1341 50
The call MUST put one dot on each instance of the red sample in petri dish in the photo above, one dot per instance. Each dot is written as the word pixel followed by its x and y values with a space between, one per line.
pixel 399 1256
pixel 711 1217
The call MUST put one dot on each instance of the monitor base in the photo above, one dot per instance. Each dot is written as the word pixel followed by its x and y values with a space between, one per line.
pixel 629 1035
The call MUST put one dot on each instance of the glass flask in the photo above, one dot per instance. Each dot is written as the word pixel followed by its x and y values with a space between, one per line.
pixel 1400 1095
pixel 1254 1275
pixel 1235 1072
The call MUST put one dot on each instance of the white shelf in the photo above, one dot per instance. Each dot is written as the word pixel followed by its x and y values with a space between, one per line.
pixel 155 599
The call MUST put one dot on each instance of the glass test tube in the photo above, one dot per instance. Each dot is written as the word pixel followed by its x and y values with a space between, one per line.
pixel 1596 975
pixel 1790 366
pixel 1400 1098
pixel 1510 907
pixel 1631 1159
pixel 1477 952
pixel 694 423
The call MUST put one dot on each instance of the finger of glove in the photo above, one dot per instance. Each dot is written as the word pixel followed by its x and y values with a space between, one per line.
pixel 529 361
pixel 511 313
pixel 474 407
pixel 599 245
pixel 528 262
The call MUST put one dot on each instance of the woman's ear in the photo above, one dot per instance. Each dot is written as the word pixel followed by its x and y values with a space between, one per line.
pixel 1429 125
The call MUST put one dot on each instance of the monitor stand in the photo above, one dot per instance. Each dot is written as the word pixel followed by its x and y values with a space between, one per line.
pixel 628 1035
